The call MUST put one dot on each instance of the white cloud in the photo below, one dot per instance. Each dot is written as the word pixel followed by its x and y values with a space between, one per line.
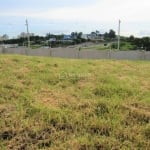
pixel 129 11
pixel 105 10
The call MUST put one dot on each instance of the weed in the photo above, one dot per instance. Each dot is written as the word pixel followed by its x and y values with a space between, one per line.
pixel 147 132
pixel 101 109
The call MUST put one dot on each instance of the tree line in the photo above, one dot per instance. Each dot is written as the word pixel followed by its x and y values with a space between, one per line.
pixel 76 38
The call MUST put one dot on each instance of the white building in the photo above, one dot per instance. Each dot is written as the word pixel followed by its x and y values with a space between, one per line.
pixel 4 37
pixel 84 36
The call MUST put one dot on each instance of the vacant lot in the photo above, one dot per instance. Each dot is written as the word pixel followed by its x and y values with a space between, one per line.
pixel 56 104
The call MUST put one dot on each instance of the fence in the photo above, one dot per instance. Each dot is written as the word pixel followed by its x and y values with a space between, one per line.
pixel 75 53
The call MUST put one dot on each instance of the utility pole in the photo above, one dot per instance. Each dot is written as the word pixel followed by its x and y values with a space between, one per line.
pixel 119 35
pixel 28 34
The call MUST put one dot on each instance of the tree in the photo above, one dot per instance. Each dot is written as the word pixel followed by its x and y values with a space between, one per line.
pixel 112 34
pixel 146 43
pixel 79 35
pixel 131 38
pixel 48 36
pixel 74 35
pixel 106 35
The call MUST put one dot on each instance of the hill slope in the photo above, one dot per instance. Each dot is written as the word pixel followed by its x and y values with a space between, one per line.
pixel 49 103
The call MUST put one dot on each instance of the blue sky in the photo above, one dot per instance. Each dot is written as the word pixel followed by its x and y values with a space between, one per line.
pixel 65 16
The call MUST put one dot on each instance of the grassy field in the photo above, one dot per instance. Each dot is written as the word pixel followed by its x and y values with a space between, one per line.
pixel 124 46
pixel 64 104
pixel 101 46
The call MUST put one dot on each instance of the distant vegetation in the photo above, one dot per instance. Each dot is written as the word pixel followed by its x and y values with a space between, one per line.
pixel 48 103
pixel 51 40
pixel 125 46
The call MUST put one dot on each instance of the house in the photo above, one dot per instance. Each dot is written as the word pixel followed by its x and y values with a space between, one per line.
pixel 4 37
pixel 96 36
pixel 84 36
pixel 10 45
pixel 92 36
pixel 52 40
pixel 67 37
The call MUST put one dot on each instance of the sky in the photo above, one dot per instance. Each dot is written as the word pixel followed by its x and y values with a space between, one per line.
pixel 66 16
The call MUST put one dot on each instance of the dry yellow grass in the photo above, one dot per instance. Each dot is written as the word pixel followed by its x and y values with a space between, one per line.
pixel 51 103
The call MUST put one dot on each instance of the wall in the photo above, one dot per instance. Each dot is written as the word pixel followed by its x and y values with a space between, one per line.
pixel 64 52
pixel 94 54
pixel 21 51
pixel 39 52
pixel 74 53
pixel 130 55
pixel 1 50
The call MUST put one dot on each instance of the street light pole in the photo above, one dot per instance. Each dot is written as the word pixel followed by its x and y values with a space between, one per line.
pixel 28 34
pixel 119 35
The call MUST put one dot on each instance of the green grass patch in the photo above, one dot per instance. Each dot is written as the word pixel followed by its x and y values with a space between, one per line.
pixel 51 103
